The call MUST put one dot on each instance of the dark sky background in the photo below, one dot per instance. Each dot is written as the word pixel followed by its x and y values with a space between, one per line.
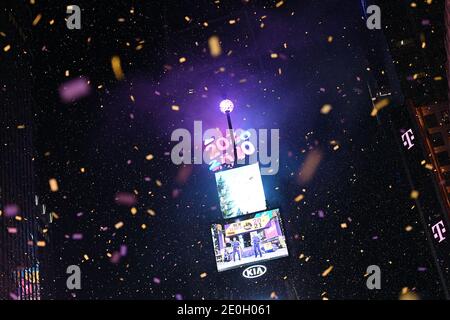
pixel 361 183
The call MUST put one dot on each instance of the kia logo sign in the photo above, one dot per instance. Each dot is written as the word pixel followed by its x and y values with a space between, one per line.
pixel 254 271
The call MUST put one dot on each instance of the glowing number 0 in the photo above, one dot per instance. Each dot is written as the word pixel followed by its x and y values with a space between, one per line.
pixel 248 148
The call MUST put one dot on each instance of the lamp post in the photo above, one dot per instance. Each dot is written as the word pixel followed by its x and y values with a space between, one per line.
pixel 227 106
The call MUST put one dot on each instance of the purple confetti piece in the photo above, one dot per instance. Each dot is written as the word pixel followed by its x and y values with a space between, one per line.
pixel 11 210
pixel 125 199
pixel 421 269
pixel 115 258
pixel 123 250
pixel 77 236
pixel 75 89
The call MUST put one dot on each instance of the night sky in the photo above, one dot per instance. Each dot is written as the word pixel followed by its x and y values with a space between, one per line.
pixel 281 63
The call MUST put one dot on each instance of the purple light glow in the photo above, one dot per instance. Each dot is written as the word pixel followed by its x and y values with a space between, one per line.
pixel 226 106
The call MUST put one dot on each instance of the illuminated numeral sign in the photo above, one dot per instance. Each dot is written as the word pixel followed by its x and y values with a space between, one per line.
pixel 220 151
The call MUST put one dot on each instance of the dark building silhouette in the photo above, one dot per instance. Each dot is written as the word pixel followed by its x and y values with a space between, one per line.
pixel 22 232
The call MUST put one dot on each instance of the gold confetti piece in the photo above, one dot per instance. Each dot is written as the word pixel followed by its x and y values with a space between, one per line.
pixel 18 218
pixel 414 194
pixel 151 212
pixel 149 157
pixel 344 225
pixel 326 108
pixel 203 275
pixel 21 126
pixel 175 108
pixel 143 226
pixel 437 78
pixel 132 98
pixel 37 19
pixel 327 271
pixel 215 49
pixel 330 39
pixel 309 167
pixel 117 68
pixel 158 183
pixel 6 48
pixel 41 244
pixel 299 198
pixel 133 211
pixel 410 296
pixel 408 228
pixel 182 60
pixel 274 55
pixel 51 22
pixel 279 4
pixel 406 294
pixel 53 185
pixel 429 166
pixel 86 257
pixel 118 225
pixel 109 255
pixel 55 216
pixel 232 21
pixel 379 105
pixel 188 19
pixel 67 73
pixel 82 170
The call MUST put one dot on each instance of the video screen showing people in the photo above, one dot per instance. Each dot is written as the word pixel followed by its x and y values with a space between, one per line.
pixel 240 191
pixel 258 239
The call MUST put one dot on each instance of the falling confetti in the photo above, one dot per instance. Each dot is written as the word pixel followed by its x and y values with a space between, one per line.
pixel 117 68
pixel 326 108
pixel 215 48
pixel 379 105
pixel 327 271
pixel 414 194
pixel 73 90
pixel 53 185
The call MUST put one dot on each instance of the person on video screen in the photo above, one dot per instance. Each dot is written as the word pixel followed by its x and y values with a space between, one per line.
pixel 256 245
pixel 236 249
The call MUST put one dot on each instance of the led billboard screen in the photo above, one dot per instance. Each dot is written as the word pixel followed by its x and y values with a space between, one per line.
pixel 240 191
pixel 259 238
